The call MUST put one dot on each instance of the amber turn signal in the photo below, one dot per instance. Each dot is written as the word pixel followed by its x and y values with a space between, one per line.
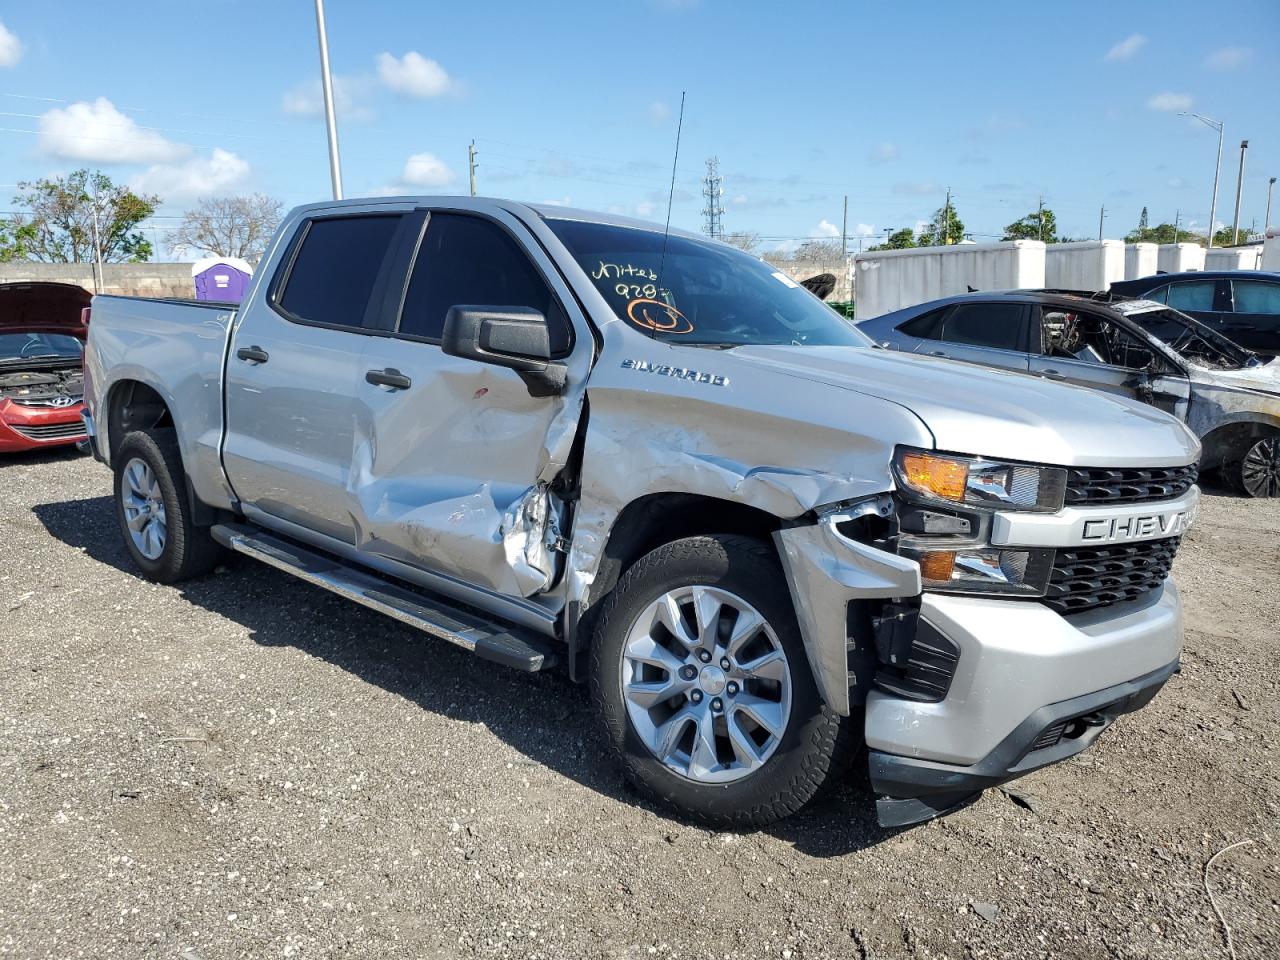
pixel 942 477
pixel 936 565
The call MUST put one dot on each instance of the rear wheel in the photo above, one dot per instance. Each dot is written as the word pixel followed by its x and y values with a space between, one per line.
pixel 154 512
pixel 1257 472
pixel 700 675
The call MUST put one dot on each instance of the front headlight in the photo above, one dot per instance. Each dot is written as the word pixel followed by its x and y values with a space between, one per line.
pixel 945 520
pixel 983 569
pixel 973 481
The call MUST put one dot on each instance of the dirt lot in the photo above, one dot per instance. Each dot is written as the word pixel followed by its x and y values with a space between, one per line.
pixel 248 767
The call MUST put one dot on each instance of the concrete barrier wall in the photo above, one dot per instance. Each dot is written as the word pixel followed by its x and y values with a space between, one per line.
pixel 1180 257
pixel 1141 260
pixel 124 279
pixel 1085 265
pixel 1271 250
pixel 804 269
pixel 889 280
pixel 1233 258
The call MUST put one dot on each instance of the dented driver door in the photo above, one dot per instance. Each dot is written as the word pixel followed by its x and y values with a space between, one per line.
pixel 454 459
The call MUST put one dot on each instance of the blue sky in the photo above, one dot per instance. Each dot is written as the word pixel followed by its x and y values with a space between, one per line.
pixel 803 103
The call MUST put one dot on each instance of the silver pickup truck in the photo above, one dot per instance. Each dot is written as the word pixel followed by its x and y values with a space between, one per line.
pixel 768 545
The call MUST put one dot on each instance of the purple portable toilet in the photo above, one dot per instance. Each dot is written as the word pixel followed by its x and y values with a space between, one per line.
pixel 221 278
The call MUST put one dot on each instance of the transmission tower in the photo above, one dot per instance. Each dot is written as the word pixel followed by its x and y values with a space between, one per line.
pixel 713 191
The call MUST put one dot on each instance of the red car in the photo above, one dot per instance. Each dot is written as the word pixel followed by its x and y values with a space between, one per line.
pixel 42 336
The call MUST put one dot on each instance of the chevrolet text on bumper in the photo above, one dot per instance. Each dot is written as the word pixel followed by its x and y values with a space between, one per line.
pixel 656 460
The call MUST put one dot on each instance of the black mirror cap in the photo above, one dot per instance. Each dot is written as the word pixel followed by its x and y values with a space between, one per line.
pixel 512 337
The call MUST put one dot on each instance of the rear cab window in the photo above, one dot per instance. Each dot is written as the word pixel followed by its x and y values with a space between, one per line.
pixel 331 274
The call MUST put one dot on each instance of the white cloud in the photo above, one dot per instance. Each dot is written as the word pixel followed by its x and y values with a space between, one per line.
pixel 864 230
pixel 645 208
pixel 658 112
pixel 99 133
pixel 1228 58
pixel 1127 48
pixel 1170 101
pixel 349 93
pixel 884 153
pixel 825 230
pixel 413 75
pixel 207 176
pixel 10 47
pixel 426 170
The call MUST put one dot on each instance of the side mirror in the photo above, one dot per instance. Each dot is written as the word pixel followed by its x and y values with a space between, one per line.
pixel 512 337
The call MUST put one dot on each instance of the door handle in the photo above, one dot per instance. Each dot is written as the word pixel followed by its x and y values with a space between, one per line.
pixel 254 354
pixel 937 353
pixel 390 377
pixel 1052 375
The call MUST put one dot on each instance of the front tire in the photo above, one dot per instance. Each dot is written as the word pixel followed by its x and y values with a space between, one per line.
pixel 1257 471
pixel 154 512
pixel 699 673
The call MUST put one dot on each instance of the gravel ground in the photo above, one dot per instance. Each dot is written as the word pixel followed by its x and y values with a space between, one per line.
pixel 244 766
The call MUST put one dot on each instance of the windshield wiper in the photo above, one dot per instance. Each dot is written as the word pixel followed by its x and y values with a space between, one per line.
pixel 39 356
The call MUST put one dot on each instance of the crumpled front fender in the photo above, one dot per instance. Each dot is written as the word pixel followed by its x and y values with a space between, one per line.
pixel 826 571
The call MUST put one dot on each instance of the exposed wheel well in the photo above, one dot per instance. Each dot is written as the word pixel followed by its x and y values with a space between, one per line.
pixel 1225 443
pixel 648 523
pixel 134 406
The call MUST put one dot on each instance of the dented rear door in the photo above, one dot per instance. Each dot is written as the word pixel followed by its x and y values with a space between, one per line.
pixel 455 463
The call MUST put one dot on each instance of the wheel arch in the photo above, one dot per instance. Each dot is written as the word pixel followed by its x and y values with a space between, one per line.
pixel 1221 443
pixel 647 523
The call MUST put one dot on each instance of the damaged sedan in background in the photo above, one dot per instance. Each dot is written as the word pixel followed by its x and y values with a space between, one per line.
pixel 41 365
pixel 1141 349
pixel 771 548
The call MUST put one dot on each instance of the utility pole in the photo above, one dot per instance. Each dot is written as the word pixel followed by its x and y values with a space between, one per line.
pixel 888 231
pixel 1040 217
pixel 326 83
pixel 1217 171
pixel 844 229
pixel 99 281
pixel 1235 223
pixel 1177 217
pixel 713 191
pixel 471 165
pixel 946 220
pixel 1266 223
pixel 1102 215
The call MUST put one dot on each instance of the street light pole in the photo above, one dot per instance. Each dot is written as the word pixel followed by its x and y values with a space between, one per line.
pixel 1266 223
pixel 326 82
pixel 1235 223
pixel 1217 171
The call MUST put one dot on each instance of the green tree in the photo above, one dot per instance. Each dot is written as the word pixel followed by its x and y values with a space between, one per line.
pixel 1142 221
pixel 1164 233
pixel 898 240
pixel 13 241
pixel 1040 225
pixel 945 227
pixel 64 213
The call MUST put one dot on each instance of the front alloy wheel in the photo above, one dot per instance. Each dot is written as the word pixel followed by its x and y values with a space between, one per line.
pixel 700 676
pixel 706 683
pixel 1260 468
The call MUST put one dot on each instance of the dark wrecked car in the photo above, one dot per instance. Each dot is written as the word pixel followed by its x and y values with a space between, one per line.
pixel 1141 349
pixel 42 337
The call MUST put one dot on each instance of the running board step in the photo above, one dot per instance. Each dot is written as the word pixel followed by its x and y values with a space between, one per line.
pixel 489 641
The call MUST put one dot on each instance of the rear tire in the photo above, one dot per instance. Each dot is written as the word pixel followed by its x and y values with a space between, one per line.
pixel 154 511
pixel 658 694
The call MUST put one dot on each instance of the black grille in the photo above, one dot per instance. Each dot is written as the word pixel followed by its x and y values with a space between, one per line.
pixel 1049 737
pixel 51 431
pixel 1128 484
pixel 1094 577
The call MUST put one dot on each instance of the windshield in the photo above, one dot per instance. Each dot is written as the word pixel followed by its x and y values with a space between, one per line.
pixel 42 346
pixel 701 293
pixel 1193 340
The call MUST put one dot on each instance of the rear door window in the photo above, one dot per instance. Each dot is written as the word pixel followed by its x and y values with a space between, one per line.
pixel 995 325
pixel 335 269
pixel 1192 295
pixel 926 326
pixel 470 260
pixel 1256 296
